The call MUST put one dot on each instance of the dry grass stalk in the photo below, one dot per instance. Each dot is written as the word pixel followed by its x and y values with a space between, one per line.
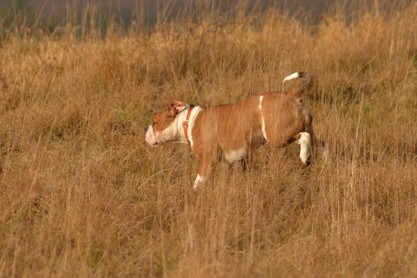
pixel 82 195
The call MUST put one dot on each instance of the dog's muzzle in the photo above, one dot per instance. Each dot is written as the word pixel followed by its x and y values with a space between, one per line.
pixel 150 136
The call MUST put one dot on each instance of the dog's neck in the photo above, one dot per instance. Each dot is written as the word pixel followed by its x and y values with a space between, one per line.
pixel 181 118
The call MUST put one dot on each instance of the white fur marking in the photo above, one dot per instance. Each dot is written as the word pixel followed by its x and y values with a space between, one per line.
pixel 232 156
pixel 291 77
pixel 198 181
pixel 167 134
pixel 150 136
pixel 193 116
pixel 262 118
pixel 305 146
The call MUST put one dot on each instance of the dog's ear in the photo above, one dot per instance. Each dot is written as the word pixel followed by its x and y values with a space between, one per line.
pixel 177 106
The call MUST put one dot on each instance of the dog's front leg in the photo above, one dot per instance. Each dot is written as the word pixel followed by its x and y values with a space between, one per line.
pixel 199 180
pixel 206 164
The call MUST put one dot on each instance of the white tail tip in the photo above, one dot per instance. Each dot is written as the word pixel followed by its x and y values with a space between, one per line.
pixel 292 76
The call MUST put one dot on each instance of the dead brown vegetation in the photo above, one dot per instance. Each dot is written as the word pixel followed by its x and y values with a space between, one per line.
pixel 81 194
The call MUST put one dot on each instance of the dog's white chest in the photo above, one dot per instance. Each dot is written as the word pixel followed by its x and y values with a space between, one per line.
pixel 234 155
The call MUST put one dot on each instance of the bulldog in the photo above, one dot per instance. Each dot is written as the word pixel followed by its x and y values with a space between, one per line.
pixel 231 131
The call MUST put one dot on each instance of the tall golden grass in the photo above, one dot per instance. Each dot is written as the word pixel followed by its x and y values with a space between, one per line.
pixel 81 194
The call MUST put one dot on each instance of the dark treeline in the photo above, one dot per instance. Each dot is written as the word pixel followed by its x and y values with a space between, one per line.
pixel 147 14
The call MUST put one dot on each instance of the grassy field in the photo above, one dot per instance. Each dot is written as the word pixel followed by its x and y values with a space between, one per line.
pixel 81 193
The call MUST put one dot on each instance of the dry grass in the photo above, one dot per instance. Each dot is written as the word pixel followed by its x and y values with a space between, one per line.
pixel 81 194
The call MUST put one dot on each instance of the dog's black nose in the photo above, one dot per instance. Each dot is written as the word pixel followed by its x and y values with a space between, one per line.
pixel 146 129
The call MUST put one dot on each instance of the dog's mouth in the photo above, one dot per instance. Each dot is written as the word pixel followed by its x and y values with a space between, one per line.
pixel 156 138
pixel 153 144
pixel 150 137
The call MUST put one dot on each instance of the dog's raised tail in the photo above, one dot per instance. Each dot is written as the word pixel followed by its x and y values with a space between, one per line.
pixel 299 89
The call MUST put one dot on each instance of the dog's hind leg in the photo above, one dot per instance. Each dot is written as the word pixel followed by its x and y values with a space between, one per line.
pixel 304 140
pixel 319 147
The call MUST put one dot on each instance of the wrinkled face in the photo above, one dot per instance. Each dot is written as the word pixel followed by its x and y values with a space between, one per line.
pixel 163 128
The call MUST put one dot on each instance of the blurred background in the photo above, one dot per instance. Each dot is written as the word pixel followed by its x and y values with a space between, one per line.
pixel 147 14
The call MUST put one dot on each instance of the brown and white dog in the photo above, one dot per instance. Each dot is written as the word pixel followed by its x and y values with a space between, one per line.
pixel 232 130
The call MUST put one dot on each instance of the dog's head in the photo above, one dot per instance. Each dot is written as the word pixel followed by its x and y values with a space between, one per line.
pixel 164 124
